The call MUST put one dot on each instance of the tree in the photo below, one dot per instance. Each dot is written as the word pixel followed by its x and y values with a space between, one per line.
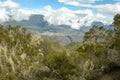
pixel 116 21
pixel 115 41
pixel 116 38
pixel 94 35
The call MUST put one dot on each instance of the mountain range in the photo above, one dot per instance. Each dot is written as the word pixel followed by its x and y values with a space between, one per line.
pixel 63 34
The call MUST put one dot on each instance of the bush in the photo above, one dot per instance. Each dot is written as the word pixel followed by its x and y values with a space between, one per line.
pixel 8 76
pixel 60 65
pixel 19 51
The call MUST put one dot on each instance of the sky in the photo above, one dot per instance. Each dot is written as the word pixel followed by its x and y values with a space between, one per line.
pixel 76 13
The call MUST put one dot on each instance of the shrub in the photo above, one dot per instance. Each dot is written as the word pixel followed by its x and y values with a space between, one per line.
pixel 60 65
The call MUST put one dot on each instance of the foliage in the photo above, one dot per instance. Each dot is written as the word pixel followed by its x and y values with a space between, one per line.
pixel 19 51
pixel 116 21
pixel 49 46
pixel 60 65
pixel 9 76
pixel 115 48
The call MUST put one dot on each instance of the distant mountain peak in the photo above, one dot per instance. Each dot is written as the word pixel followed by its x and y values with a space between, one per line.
pixel 34 20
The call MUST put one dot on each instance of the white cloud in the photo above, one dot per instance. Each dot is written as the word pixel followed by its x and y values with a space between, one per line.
pixel 110 9
pixel 9 4
pixel 3 15
pixel 48 8
pixel 75 19
pixel 11 10
pixel 100 16
pixel 21 14
pixel 79 1
pixel 86 3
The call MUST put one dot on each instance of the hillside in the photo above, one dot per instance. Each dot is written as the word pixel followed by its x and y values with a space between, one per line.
pixel 27 56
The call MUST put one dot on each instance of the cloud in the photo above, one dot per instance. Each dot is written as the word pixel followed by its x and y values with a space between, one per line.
pixel 5 9
pixel 76 19
pixel 21 14
pixel 86 3
pixel 79 1
pixel 110 9
pixel 3 15
pixel 9 4
pixel 11 10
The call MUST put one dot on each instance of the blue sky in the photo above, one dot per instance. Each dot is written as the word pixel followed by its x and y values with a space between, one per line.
pixel 38 3
pixel 55 4
pixel 56 12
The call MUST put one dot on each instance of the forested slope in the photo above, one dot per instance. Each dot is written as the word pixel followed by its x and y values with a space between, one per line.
pixel 26 56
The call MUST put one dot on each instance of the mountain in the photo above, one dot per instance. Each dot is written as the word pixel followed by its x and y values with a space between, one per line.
pixel 63 34
pixel 97 23
pixel 34 20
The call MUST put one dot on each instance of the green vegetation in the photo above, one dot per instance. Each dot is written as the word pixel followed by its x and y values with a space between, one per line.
pixel 19 52
pixel 49 46
pixel 26 56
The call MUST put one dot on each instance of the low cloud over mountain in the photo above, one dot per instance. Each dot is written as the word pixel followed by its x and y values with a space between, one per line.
pixel 76 19
pixel 64 16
